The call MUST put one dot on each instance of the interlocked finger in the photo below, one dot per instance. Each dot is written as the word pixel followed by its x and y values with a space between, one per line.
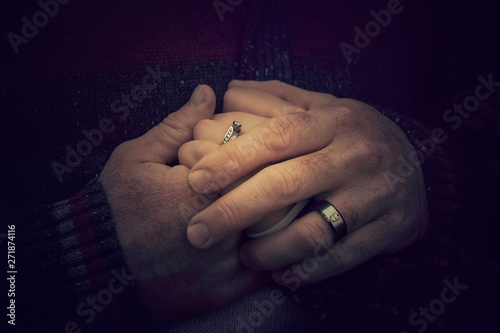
pixel 311 233
pixel 359 246
pixel 192 151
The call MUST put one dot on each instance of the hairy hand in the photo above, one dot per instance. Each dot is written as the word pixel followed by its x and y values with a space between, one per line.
pixel 151 206
pixel 310 145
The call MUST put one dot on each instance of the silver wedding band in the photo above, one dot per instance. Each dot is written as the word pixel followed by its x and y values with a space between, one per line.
pixel 232 133
pixel 332 217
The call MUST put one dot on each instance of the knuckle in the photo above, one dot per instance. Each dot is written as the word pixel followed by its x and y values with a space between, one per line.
pixel 391 222
pixel 282 132
pixel 278 135
pixel 232 83
pixel 123 147
pixel 231 93
pixel 326 96
pixel 284 183
pixel 118 167
pixel 173 129
pixel 346 116
pixel 174 121
pixel 226 212
pixel 383 192
pixel 367 153
pixel 233 160
pixel 200 127
pixel 281 86
pixel 347 111
pixel 123 151
pixel 315 235
pixel 184 153
pixel 412 223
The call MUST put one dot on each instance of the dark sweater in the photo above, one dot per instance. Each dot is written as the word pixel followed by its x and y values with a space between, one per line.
pixel 79 73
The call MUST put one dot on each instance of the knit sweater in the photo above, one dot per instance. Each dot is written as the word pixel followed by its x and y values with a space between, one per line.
pixel 78 75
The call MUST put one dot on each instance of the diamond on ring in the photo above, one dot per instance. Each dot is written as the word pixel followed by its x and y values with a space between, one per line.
pixel 232 133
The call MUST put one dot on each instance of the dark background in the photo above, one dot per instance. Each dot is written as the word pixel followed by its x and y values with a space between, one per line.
pixel 443 46
pixel 438 50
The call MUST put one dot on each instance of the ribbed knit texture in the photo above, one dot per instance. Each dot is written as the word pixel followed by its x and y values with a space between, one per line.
pixel 69 256
pixel 447 174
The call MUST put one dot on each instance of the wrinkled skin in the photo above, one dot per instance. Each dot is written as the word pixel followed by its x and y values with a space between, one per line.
pixel 151 205
pixel 311 145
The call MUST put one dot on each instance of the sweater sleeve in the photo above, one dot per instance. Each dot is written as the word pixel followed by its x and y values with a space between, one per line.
pixel 71 272
pixel 448 178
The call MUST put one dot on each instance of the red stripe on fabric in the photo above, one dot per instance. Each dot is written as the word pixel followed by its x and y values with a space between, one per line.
pixel 83 38
pixel 91 256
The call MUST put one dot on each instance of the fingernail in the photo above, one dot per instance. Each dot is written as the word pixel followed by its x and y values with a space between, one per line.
pixel 198 235
pixel 198 96
pixel 200 180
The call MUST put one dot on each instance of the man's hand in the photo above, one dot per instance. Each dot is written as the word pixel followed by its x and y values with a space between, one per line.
pixel 151 206
pixel 340 150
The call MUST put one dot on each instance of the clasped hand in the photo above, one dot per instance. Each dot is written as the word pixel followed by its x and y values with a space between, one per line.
pixel 296 144
pixel 305 144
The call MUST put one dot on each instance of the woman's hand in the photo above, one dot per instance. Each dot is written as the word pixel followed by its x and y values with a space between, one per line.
pixel 311 144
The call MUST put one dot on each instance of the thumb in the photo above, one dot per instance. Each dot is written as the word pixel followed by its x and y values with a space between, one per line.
pixel 162 142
